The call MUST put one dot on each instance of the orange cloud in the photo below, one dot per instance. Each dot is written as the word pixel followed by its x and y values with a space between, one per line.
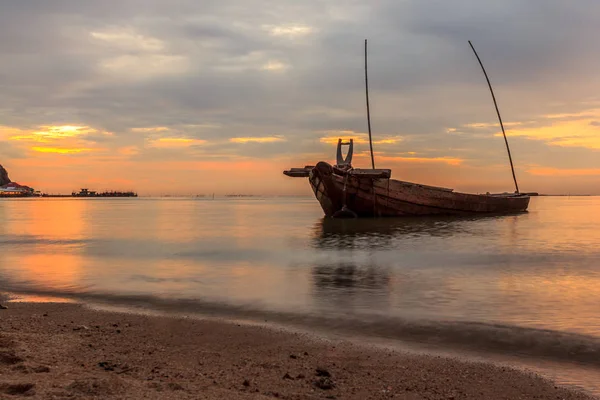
pixel 358 137
pixel 444 160
pixel 66 135
pixel 61 150
pixel 150 129
pixel 8 131
pixel 267 139
pixel 583 114
pixel 580 129
pixel 491 124
pixel 574 133
pixel 549 171
pixel 48 133
pixel 175 143
pixel 129 150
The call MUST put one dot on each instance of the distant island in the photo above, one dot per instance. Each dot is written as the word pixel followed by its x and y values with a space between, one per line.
pixel 4 179
pixel 13 189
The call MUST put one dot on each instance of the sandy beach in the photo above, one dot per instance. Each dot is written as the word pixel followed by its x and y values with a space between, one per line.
pixel 68 351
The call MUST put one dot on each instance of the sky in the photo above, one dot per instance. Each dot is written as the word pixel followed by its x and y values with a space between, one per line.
pixel 220 96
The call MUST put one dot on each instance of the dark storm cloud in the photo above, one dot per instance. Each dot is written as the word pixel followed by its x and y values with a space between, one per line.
pixel 174 63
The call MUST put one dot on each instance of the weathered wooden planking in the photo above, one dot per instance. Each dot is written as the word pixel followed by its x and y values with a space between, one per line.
pixel 371 173
pixel 387 197
pixel 298 172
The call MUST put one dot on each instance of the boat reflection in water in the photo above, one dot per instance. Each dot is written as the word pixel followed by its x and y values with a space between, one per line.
pixel 400 265
pixel 351 287
pixel 383 232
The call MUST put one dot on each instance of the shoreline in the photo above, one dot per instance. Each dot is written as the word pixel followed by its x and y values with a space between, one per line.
pixel 66 350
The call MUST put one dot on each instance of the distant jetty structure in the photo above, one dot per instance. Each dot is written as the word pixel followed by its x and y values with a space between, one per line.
pixel 91 193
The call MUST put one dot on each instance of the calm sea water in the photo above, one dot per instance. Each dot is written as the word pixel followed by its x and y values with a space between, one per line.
pixel 523 286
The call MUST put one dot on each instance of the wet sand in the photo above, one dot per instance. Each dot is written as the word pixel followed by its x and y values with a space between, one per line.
pixel 68 351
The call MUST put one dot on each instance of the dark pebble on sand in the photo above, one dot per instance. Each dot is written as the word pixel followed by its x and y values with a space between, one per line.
pixel 323 372
pixel 324 383
pixel 17 389
pixel 108 366
pixel 246 383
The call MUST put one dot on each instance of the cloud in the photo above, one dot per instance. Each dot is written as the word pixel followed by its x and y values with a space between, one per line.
pixel 275 65
pixel 571 133
pixel 146 81
pixel 150 129
pixel 174 143
pixel 129 150
pixel 557 172
pixel 358 137
pixel 454 161
pixel 266 139
pixel 290 31
pixel 128 39
pixel 493 124
pixel 47 134
pixel 61 150
pixel 144 66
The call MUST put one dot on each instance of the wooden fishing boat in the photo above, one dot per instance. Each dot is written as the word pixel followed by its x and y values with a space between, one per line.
pixel 344 191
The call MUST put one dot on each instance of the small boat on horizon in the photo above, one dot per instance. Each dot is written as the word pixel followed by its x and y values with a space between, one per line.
pixel 347 192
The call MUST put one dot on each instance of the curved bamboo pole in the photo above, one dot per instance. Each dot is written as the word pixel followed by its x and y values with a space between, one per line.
pixel 368 110
pixel 499 117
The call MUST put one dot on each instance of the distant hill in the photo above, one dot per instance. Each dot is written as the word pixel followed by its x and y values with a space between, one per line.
pixel 4 179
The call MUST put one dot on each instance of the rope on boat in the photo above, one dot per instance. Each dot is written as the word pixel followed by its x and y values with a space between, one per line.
pixel 345 212
pixel 387 199
pixel 374 197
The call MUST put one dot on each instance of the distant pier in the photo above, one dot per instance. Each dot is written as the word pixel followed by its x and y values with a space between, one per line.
pixel 111 193
pixel 92 193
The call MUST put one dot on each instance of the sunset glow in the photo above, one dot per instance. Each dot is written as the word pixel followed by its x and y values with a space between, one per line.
pixel 176 142
pixel 276 87
pixel 267 139
pixel 59 150
pixel 359 138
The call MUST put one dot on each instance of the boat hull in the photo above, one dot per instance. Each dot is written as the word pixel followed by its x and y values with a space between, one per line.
pixel 384 197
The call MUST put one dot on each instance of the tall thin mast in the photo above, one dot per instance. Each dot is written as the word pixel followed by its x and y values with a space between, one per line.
pixel 499 117
pixel 368 110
